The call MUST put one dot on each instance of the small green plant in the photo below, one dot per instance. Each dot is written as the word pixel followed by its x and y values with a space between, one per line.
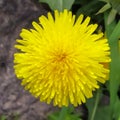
pixel 67 113
pixel 3 117
pixel 11 117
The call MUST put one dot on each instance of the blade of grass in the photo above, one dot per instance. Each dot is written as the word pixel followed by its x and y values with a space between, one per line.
pixel 104 8
pixel 112 16
pixel 63 113
pixel 95 106
pixel 108 27
pixel 3 117
pixel 113 33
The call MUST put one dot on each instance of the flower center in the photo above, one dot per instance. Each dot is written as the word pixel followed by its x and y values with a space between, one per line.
pixel 60 57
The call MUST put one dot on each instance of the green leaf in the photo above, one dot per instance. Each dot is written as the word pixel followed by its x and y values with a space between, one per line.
pixel 102 111
pixel 111 16
pixel 59 4
pixel 82 2
pixel 104 0
pixel 115 4
pixel 104 8
pixel 116 114
pixel 108 27
pixel 113 34
pixel 116 33
pixel 63 113
pixel 3 117
pixel 90 9
pixel 115 64
pixel 66 113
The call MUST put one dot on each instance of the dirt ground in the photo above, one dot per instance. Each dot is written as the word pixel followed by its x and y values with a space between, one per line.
pixel 15 15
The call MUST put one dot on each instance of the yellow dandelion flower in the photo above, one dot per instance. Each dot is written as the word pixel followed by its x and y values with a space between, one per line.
pixel 62 60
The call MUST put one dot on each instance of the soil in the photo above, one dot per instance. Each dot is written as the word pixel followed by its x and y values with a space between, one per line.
pixel 14 100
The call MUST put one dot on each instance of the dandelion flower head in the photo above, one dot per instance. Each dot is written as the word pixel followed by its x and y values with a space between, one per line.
pixel 62 60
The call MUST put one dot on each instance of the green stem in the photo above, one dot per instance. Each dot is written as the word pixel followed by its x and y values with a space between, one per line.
pixel 63 113
pixel 96 105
